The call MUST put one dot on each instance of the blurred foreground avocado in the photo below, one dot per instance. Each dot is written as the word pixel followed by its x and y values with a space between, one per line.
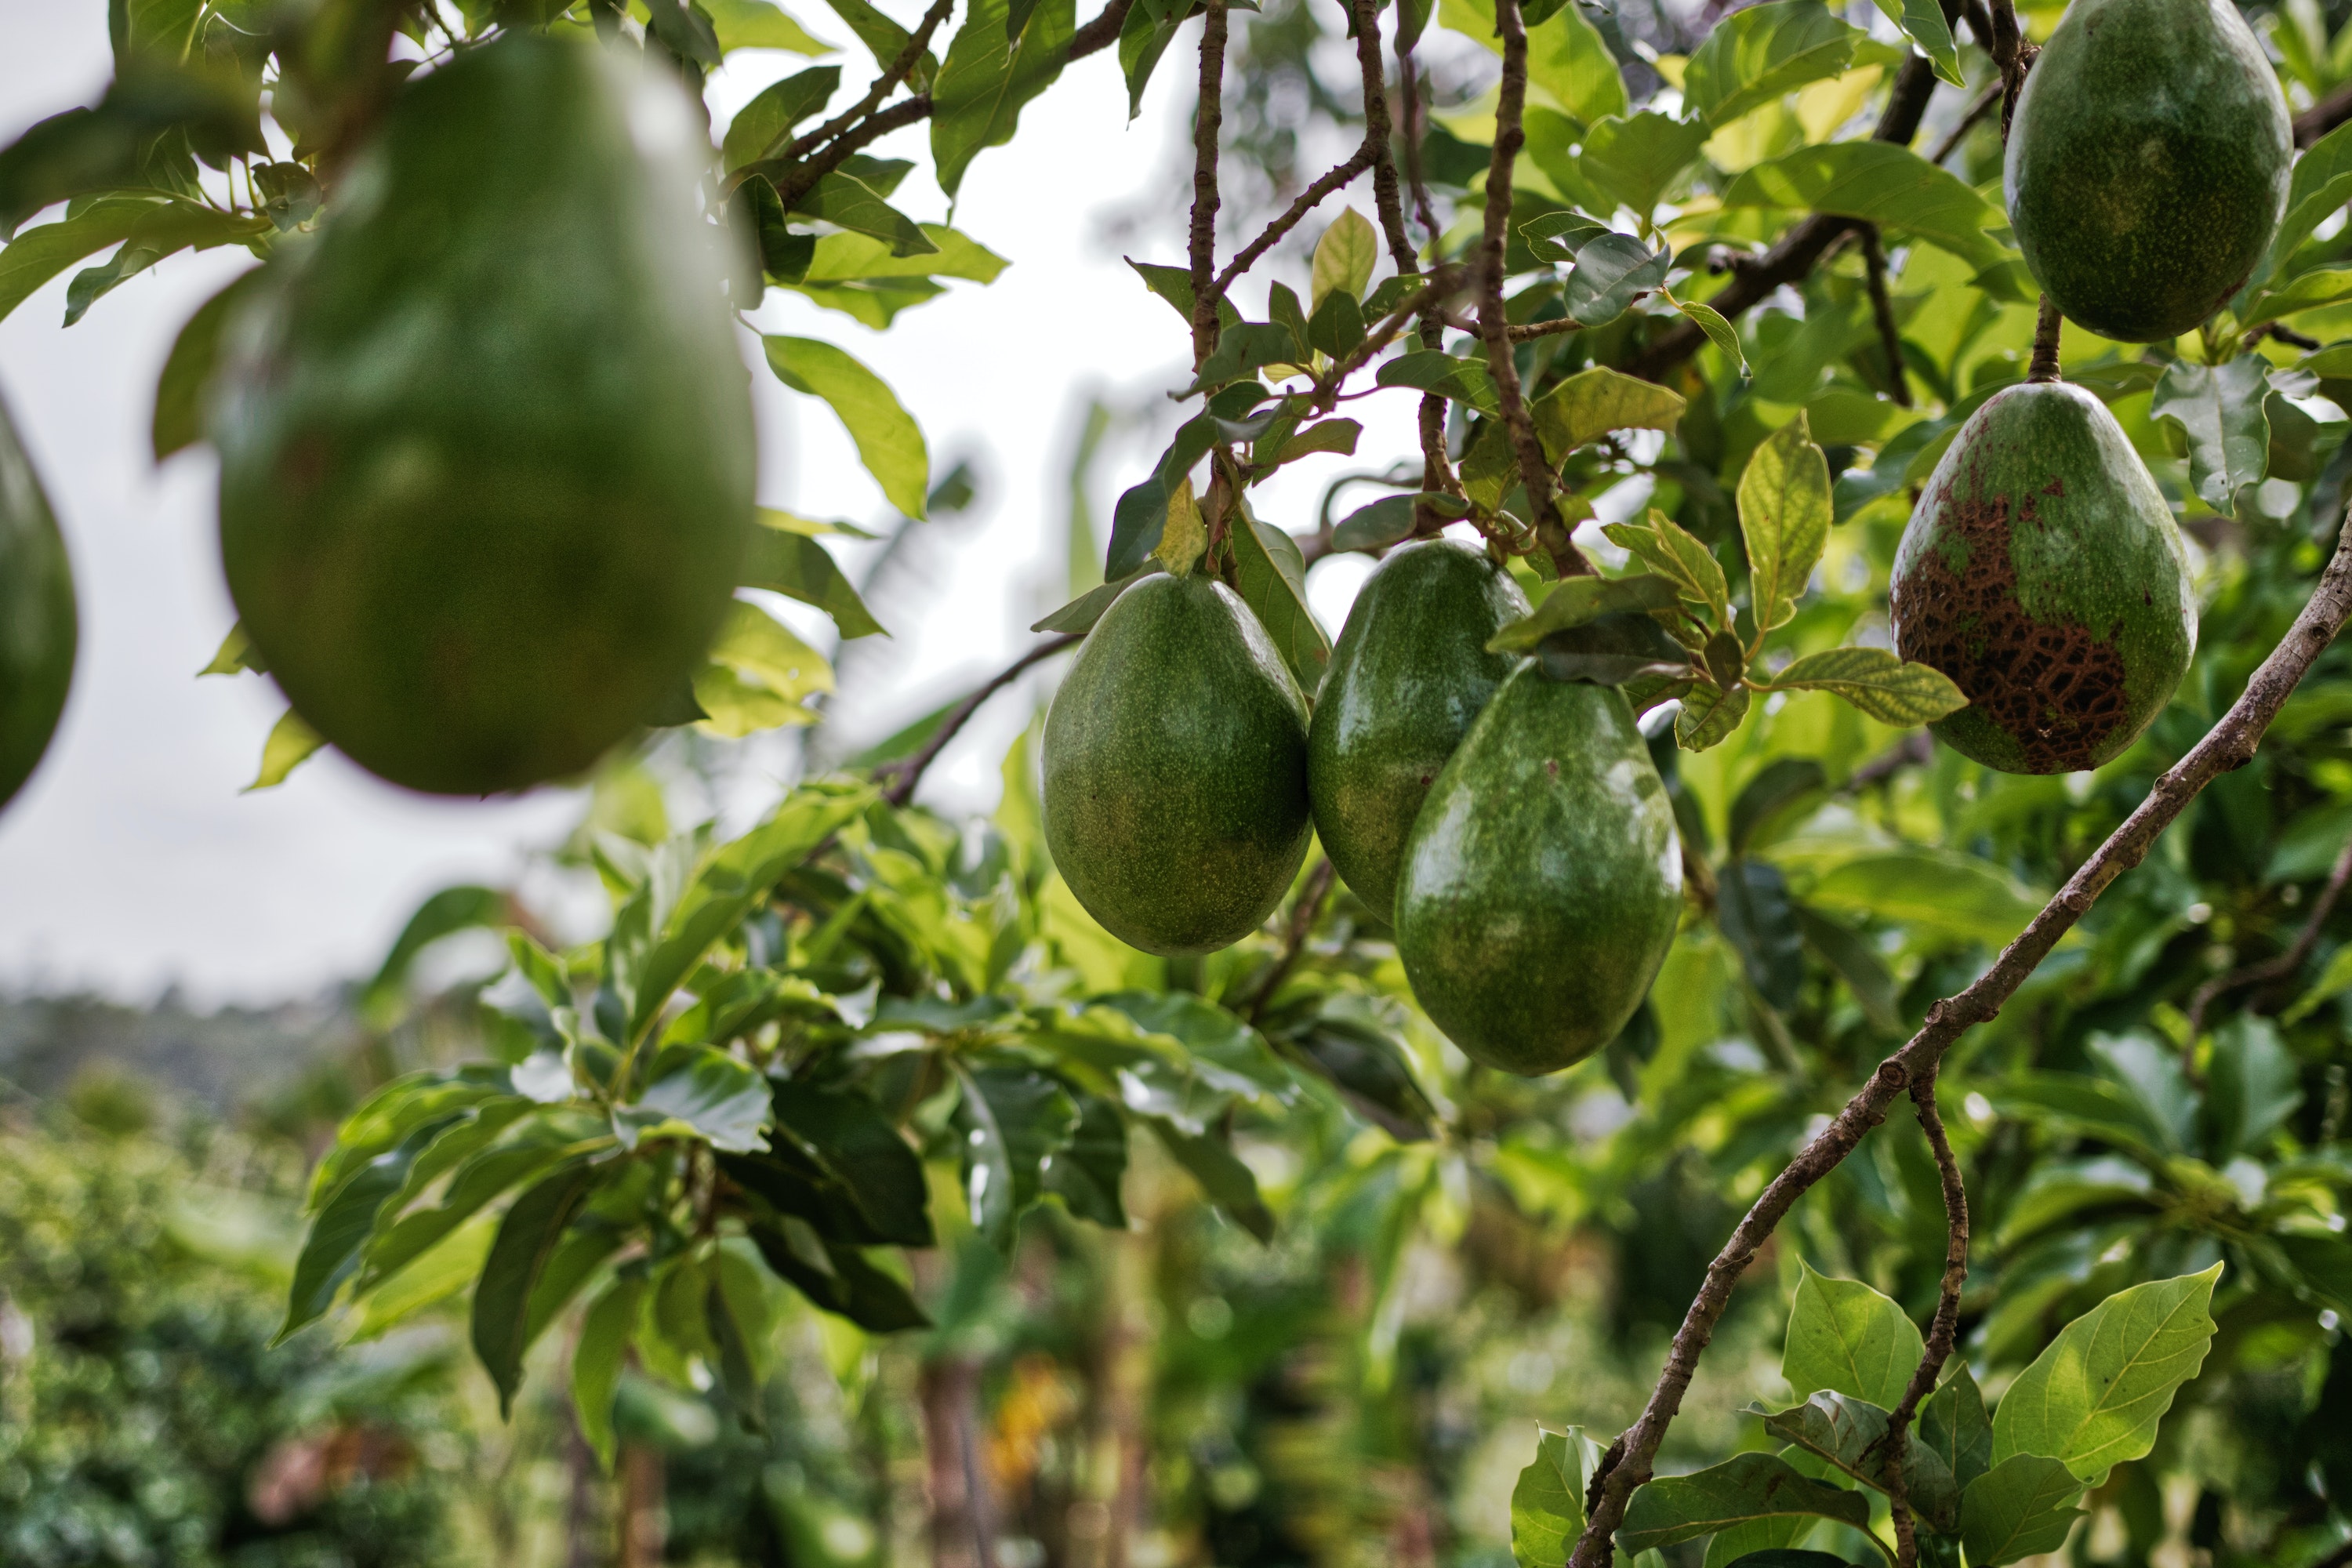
pixel 486 441
pixel 1176 769
pixel 1543 881
pixel 39 628
pixel 1409 676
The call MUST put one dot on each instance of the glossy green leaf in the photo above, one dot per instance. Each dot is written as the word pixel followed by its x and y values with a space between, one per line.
pixel 2220 409
pixel 1087 1175
pixel 986 80
pixel 885 39
pixel 761 127
pixel 1880 182
pixel 1851 1435
pixel 1845 1337
pixel 1611 273
pixel 1013 1120
pixel 858 1147
pixel 2252 1084
pixel 1934 894
pixel 786 560
pixel 2093 1398
pixel 1719 332
pixel 179 417
pixel 1753 56
pixel 1634 160
pixel 2320 185
pixel 703 1092
pixel 1674 553
pixel 1448 375
pixel 1924 23
pixel 888 442
pixel 1579 599
pixel 331 1254
pixel 847 201
pixel 2022 1507
pixel 1270 574
pixel 1229 1183
pixel 1675 1508
pixel 1879 682
pixel 1952 1421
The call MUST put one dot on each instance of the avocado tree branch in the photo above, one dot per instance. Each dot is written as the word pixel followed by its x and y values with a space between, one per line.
pixel 1890 336
pixel 1207 118
pixel 1510 135
pixel 905 772
pixel 2324 116
pixel 1303 914
pixel 1801 247
pixel 1943 1330
pixel 884 85
pixel 1968 121
pixel 1330 180
pixel 2230 744
pixel 2011 55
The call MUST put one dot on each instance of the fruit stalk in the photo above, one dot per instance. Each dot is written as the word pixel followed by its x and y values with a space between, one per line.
pixel 1510 135
pixel 2230 744
pixel 1206 121
pixel 2046 328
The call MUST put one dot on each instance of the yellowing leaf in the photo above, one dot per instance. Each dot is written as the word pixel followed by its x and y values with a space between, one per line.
pixel 1344 258
pixel 290 744
pixel 758 676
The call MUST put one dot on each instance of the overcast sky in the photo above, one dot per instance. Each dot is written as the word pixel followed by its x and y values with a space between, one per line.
pixel 131 861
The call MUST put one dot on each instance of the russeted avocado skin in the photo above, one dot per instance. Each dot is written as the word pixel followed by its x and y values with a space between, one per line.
pixel 1176 770
pixel 2148 164
pixel 1542 882
pixel 2042 572
pixel 485 440
pixel 1408 677
pixel 39 628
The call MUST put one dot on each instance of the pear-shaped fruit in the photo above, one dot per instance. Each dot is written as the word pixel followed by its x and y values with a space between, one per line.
pixel 486 441
pixel 1408 677
pixel 1176 769
pixel 37 626
pixel 1543 881
pixel 2148 164
pixel 2042 572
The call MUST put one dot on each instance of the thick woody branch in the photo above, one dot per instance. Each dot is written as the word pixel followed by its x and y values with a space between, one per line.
pixel 2230 744
pixel 906 773
pixel 1510 135
pixel 1802 247
pixel 1206 121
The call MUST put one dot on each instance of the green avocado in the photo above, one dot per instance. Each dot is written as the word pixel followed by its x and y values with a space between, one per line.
pixel 485 440
pixel 1409 676
pixel 2042 572
pixel 2148 164
pixel 1542 882
pixel 37 624
pixel 1176 770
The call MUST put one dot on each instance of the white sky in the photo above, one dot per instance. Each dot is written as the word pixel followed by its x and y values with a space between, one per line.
pixel 131 860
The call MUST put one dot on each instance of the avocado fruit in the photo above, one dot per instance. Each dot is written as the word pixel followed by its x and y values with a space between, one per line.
pixel 1175 788
pixel 486 439
pixel 39 628
pixel 1407 679
pixel 1542 882
pixel 2148 164
pixel 2042 572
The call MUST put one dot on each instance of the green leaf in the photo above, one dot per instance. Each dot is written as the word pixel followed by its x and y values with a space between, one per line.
pixel 1880 683
pixel 1144 35
pixel 1709 715
pixel 759 25
pixel 838 1278
pixel 1923 23
pixel 1270 574
pixel 2220 409
pixel 527 1240
pixel 1595 401
pixel 1754 56
pixel 1344 258
pixel 1336 436
pixel 847 201
pixel 331 1254
pixel 1388 521
pixel 2333 981
pixel 1633 161
pixel 1952 1421
pixel 2251 1086
pixel 1087 1175
pixel 37 255
pixel 1719 332
pixel 1242 350
pixel 684 30
pixel 1577 600
pixel 1013 1120
pixel 597 1360
pixel 701 1091
pixel 1230 1184
pixel 1569 59
pixel 1857 963
pixel 1433 370
pixel 1784 515
pixel 1880 182
pixel 1674 553
pixel 1548 1503
pixel 179 418
pixel 758 674
pixel 484 1158
pixel 1174 284
pixel 237 654
pixel 1954 897
pixel 2093 1398
pixel 1845 1337
pixel 289 745
pixel 2022 1507
pixel 2321 286
pixel 1612 272
pixel 761 127
pixel 850 258
pixel 1851 1435
pixel 885 39
pixel 1676 1509
pixel 987 79
pixel 784 560
pixel 2321 184
pixel 1141 515
pixel 1081 613
pixel 445 913
pixel 858 1147
pixel 888 439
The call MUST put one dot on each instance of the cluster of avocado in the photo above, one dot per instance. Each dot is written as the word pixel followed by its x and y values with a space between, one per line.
pixel 2147 167
pixel 1512 827
pixel 486 439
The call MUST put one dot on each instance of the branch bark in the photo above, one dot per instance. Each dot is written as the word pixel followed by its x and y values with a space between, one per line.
pixel 1890 336
pixel 1943 1330
pixel 1206 121
pixel 2230 744
pixel 2047 327
pixel 905 774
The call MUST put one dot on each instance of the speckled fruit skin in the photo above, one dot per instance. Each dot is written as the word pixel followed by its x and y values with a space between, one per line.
pixel 1407 679
pixel 39 628
pixel 1176 770
pixel 2148 164
pixel 486 442
pixel 1542 882
pixel 2042 572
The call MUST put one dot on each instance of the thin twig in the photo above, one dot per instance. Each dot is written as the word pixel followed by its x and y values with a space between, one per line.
pixel 2014 56
pixel 898 69
pixel 2272 969
pixel 1510 135
pixel 1416 119
pixel 1890 336
pixel 908 772
pixel 1968 121
pixel 1802 246
pixel 1422 302
pixel 2229 744
pixel 1206 121
pixel 1330 180
pixel 2047 327
pixel 1293 939
pixel 1943 1329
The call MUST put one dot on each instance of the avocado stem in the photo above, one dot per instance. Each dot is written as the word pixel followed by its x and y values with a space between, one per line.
pixel 2045 342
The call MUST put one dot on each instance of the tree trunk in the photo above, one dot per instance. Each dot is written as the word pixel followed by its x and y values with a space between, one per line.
pixel 645 1521
pixel 963 1516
